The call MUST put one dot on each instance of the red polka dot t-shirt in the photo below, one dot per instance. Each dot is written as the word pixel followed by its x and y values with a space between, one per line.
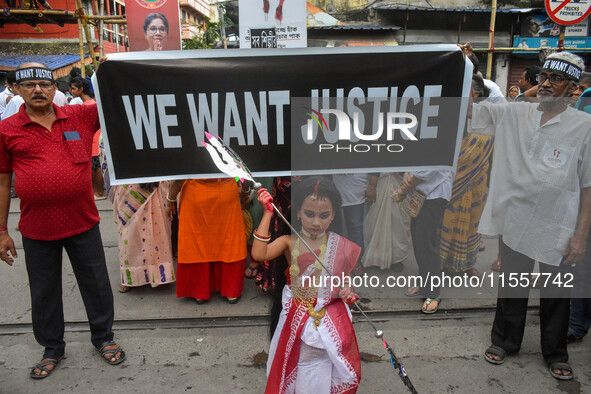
pixel 52 171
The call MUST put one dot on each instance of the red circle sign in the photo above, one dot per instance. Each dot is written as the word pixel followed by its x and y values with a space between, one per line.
pixel 568 12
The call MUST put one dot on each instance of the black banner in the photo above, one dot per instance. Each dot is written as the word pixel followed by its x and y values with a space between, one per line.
pixel 281 110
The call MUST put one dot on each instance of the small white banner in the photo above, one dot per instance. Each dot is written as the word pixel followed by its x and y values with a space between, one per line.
pixel 273 24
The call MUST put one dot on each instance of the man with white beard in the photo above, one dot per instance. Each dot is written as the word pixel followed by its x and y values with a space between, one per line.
pixel 540 203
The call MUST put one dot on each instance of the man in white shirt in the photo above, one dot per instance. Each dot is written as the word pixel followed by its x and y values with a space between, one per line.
pixel 7 93
pixel 436 186
pixel 13 105
pixel 60 98
pixel 495 96
pixel 540 203
pixel 355 190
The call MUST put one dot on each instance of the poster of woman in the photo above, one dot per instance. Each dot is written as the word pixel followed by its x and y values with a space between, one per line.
pixel 153 25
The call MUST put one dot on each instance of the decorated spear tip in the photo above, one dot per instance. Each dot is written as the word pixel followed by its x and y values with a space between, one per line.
pixel 204 143
pixel 209 136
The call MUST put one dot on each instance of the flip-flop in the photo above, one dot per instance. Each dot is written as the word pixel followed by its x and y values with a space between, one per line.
pixel 108 354
pixel 428 302
pixel 562 367
pixel 411 293
pixel 43 367
pixel 497 351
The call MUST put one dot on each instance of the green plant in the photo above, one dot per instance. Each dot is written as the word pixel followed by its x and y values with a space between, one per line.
pixel 210 33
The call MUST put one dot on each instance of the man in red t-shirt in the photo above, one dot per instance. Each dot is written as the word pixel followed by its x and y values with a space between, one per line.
pixel 49 148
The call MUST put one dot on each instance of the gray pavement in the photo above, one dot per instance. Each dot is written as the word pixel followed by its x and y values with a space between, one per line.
pixel 177 346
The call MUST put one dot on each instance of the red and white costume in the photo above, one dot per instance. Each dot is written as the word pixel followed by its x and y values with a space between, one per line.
pixel 303 359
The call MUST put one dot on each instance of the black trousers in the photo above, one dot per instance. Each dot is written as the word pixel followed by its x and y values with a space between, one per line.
pixel 509 323
pixel 425 230
pixel 44 267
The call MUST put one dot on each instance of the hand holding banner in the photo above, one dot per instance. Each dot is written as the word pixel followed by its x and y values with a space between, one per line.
pixel 382 109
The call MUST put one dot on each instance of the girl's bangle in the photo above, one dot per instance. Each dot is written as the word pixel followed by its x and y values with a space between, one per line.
pixel 4 228
pixel 256 235
pixel 260 239
pixel 169 200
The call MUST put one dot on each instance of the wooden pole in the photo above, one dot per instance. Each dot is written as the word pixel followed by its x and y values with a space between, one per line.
pixel 106 17
pixel 491 38
pixel 81 41
pixel 125 47
pixel 81 15
pixel 44 13
pixel 40 12
pixel 120 33
pixel 101 27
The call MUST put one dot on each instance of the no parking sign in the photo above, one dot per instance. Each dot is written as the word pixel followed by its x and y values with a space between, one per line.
pixel 568 12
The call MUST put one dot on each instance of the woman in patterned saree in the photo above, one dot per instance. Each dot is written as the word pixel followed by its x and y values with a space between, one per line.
pixel 460 240
pixel 145 253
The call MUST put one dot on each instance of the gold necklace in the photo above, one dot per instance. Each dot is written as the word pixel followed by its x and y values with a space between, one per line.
pixel 306 295
pixel 294 270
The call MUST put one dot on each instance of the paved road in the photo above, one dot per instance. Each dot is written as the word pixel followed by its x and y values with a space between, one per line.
pixel 176 346
pixel 442 354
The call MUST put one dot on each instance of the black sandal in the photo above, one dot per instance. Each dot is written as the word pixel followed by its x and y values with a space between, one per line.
pixel 109 354
pixel 43 367
pixel 496 351
pixel 561 367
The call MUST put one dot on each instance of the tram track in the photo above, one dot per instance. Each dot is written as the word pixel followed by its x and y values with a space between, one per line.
pixel 212 322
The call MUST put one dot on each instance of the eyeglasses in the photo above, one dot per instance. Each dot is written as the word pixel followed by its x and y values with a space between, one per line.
pixel 31 85
pixel 554 79
pixel 154 29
